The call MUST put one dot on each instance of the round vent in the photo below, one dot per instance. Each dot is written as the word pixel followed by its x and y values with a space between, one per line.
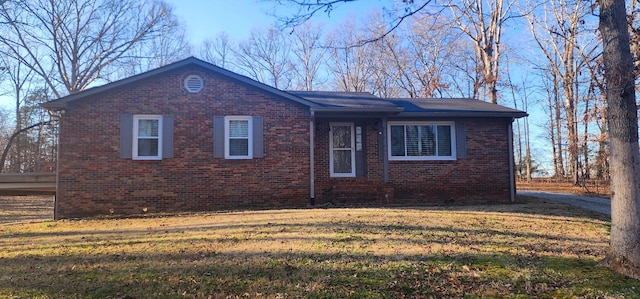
pixel 193 83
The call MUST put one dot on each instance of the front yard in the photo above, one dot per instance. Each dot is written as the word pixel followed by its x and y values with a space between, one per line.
pixel 532 249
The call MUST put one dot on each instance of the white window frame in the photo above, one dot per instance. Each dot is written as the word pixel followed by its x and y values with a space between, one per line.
pixel 227 138
pixel 136 122
pixel 421 123
pixel 353 151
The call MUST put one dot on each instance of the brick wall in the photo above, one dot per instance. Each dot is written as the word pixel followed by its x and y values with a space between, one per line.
pixel 94 180
pixel 483 176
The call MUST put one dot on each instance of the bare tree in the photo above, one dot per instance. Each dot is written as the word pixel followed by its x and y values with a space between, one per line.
pixel 33 141
pixel 351 66
pixel 633 19
pixel 551 83
pixel 19 81
pixel 624 247
pixel 218 50
pixel 265 57
pixel 385 74
pixel 482 23
pixel 62 46
pixel 599 115
pixel 557 32
pixel 520 98
pixel 306 9
pixel 6 127
pixel 307 56
pixel 429 64
pixel 168 45
pixel 71 43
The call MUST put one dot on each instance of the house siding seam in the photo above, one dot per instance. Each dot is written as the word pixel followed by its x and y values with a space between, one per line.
pixel 95 180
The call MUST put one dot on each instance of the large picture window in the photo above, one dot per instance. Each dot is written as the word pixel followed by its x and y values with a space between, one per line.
pixel 421 141
pixel 147 137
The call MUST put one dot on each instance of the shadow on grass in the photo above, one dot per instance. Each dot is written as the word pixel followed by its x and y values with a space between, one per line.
pixel 20 209
pixel 299 274
pixel 513 250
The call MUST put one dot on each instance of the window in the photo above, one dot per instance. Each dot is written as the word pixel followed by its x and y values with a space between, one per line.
pixel 147 137
pixel 238 132
pixel 238 137
pixel 421 141
pixel 342 152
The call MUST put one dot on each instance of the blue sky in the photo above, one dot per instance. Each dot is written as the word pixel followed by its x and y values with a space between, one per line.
pixel 206 18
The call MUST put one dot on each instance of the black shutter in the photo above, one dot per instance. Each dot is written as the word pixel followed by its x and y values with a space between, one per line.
pixel 218 136
pixel 461 141
pixel 167 136
pixel 258 137
pixel 126 136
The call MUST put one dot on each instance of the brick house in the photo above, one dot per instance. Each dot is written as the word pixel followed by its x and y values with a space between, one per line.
pixel 191 136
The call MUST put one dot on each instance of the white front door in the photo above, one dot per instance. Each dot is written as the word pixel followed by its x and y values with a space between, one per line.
pixel 342 150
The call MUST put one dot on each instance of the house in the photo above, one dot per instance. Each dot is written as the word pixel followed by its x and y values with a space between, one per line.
pixel 191 136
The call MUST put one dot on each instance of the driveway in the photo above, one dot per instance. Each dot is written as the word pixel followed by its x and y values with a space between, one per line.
pixel 597 204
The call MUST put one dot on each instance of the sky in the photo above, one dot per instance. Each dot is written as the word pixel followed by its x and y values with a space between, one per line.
pixel 206 18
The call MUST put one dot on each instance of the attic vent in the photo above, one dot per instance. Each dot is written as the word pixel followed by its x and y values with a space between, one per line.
pixel 193 83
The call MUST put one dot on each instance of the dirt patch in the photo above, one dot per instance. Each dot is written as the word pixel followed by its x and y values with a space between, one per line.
pixel 15 209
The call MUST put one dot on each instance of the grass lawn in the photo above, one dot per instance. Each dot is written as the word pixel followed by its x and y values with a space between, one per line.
pixel 531 249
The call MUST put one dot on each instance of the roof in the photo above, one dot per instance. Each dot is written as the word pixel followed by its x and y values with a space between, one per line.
pixel 454 107
pixel 62 102
pixel 364 102
pixel 328 103
pixel 339 101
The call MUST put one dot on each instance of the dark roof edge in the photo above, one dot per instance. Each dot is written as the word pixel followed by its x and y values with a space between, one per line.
pixel 61 103
pixel 394 110
pixel 465 114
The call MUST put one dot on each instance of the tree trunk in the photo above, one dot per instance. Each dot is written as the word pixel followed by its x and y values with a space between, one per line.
pixel 586 168
pixel 602 166
pixel 558 124
pixel 624 246
pixel 552 135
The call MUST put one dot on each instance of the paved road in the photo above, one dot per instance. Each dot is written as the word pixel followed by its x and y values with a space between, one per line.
pixel 597 204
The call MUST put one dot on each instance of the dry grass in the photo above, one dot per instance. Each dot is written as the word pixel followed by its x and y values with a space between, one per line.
pixel 531 249
pixel 15 209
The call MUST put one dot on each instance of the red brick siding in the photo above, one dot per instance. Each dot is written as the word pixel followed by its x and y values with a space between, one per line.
pixel 349 191
pixel 94 180
pixel 483 176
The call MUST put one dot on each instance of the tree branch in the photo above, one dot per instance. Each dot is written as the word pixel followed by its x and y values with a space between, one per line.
pixel 16 134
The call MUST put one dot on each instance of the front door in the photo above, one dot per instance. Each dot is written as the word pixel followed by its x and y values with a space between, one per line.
pixel 342 150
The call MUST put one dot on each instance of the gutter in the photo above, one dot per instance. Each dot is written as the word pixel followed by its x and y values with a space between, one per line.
pixel 55 197
pixel 385 154
pixel 392 110
pixel 512 178
pixel 463 114
pixel 312 174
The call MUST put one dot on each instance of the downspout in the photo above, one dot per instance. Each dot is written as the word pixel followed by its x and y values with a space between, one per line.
pixel 385 156
pixel 312 174
pixel 512 179
pixel 55 197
